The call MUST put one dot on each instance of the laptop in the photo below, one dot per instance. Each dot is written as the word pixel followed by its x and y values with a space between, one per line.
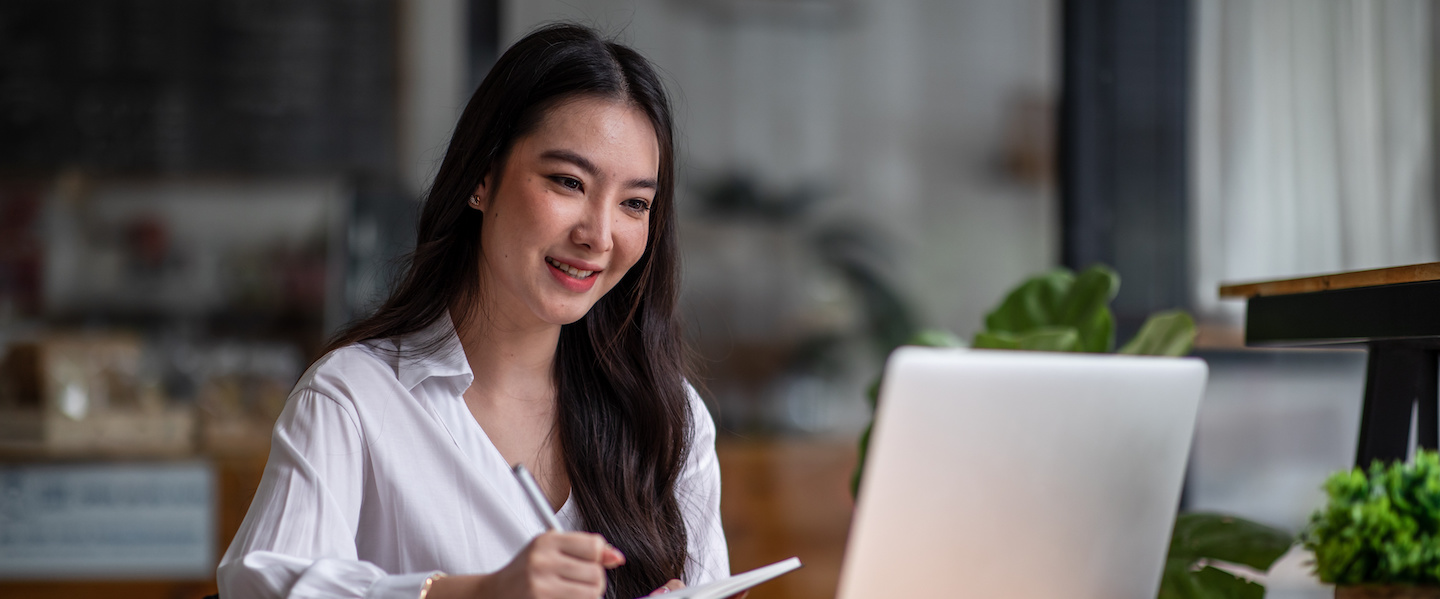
pixel 1024 475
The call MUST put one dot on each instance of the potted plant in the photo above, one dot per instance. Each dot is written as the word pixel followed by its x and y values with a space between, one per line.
pixel 1379 534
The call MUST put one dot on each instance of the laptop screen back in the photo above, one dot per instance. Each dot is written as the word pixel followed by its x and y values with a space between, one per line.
pixel 1022 475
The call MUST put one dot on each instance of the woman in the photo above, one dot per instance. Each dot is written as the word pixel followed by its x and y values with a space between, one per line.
pixel 536 324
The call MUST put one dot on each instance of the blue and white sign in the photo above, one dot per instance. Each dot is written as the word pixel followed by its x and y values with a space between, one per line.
pixel 120 520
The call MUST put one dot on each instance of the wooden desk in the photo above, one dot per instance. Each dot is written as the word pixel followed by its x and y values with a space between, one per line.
pixel 1395 312
pixel 784 497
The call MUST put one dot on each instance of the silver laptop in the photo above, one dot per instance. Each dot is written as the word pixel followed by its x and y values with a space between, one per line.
pixel 1023 475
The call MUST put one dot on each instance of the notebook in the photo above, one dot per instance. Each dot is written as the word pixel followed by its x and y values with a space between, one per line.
pixel 719 589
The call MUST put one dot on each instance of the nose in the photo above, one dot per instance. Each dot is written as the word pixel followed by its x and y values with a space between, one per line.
pixel 593 228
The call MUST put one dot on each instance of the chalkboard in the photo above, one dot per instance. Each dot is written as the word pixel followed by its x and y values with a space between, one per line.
pixel 197 86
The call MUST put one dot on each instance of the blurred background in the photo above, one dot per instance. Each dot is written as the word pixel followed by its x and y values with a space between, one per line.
pixel 195 193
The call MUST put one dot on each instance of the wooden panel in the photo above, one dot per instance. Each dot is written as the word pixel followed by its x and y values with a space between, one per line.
pixel 1346 280
pixel 788 497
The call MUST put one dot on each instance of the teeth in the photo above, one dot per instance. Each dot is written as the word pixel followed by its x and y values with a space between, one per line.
pixel 570 270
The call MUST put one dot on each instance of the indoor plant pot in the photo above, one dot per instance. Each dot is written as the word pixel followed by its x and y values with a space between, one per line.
pixel 1386 591
pixel 1378 535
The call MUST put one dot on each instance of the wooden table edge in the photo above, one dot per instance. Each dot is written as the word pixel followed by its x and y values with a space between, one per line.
pixel 1346 280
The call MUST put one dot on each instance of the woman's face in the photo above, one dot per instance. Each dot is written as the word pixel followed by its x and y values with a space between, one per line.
pixel 570 214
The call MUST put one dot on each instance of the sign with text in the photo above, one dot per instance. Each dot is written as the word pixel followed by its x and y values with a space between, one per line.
pixel 111 520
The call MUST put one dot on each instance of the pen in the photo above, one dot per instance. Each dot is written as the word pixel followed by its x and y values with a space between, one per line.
pixel 537 499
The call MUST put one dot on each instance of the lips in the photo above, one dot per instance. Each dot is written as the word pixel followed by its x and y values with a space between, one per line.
pixel 571 277
pixel 568 269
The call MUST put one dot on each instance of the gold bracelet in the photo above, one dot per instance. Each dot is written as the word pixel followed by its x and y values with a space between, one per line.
pixel 429 580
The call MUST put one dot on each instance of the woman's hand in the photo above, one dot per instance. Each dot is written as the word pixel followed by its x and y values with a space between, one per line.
pixel 555 565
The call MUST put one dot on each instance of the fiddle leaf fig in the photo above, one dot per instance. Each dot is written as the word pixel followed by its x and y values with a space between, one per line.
pixel 1163 334
pixel 1091 293
pixel 1202 539
pixel 1199 535
pixel 1183 581
pixel 935 338
pixel 1041 339
pixel 1045 305
pixel 1032 305
pixel 1097 333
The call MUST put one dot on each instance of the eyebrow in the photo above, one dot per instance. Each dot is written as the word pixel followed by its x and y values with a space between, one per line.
pixel 584 164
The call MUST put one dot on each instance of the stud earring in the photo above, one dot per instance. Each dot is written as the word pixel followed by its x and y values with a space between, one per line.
pixel 475 200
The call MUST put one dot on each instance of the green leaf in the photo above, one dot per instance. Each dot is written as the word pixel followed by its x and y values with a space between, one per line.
pixel 1182 580
pixel 935 338
pixel 860 466
pixel 1169 333
pixel 1091 293
pixel 1051 339
pixel 1217 537
pixel 1064 339
pixel 1178 582
pixel 1035 303
pixel 1097 335
pixel 1380 526
pixel 1224 585
pixel 986 340
pixel 1228 539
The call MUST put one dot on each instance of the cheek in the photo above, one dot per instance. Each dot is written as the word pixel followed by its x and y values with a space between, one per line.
pixel 632 243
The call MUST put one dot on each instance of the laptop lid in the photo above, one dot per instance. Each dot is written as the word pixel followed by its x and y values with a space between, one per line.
pixel 1022 475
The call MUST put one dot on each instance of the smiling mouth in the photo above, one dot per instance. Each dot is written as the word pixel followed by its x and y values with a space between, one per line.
pixel 569 270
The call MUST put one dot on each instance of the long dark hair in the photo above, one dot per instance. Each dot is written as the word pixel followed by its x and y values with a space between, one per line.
pixel 623 414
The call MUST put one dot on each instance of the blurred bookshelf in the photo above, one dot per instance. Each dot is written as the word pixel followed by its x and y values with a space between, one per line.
pixel 193 195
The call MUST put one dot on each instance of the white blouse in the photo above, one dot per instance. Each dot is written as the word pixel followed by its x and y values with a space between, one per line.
pixel 379 476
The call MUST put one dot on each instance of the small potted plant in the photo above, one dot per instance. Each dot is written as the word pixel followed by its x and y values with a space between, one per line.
pixel 1379 534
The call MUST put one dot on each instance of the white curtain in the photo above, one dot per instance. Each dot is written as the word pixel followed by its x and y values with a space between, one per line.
pixel 1312 132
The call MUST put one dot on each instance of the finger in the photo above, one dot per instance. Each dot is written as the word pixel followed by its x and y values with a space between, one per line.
pixel 582 545
pixel 612 558
pixel 559 587
pixel 548 562
pixel 670 585
pixel 575 570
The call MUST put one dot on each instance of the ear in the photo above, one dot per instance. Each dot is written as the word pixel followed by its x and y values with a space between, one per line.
pixel 480 198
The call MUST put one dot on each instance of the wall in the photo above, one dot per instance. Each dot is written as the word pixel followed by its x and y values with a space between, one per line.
pixel 901 110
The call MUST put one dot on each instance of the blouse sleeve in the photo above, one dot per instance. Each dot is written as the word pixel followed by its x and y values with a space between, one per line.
pixel 699 495
pixel 298 539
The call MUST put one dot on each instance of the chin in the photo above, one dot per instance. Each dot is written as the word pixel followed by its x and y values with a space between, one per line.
pixel 566 316
pixel 568 320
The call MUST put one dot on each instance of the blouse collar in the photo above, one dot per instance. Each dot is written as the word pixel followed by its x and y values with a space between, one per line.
pixel 433 351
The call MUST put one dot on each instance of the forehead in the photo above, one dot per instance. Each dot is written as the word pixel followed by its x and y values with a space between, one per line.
pixel 617 135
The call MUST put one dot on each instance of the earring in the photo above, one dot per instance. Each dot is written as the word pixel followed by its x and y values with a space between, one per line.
pixel 475 200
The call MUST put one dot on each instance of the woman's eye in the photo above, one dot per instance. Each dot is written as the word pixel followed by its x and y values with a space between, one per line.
pixel 567 182
pixel 637 204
